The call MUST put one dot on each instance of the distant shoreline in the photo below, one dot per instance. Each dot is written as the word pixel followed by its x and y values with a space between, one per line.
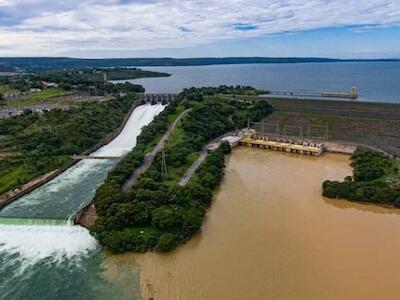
pixel 52 63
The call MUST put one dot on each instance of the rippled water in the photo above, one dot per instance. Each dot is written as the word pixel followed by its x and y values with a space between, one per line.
pixel 58 262
pixel 63 196
pixel 271 235
pixel 376 81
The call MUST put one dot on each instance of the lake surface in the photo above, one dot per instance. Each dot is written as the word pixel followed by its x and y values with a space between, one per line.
pixel 271 235
pixel 376 81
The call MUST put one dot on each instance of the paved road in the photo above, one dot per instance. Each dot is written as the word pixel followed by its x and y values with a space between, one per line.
pixel 150 156
pixel 190 172
pixel 203 154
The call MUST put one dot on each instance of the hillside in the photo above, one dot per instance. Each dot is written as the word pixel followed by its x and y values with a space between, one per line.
pixel 45 63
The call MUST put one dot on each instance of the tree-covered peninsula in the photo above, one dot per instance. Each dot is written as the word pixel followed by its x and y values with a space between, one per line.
pixel 158 213
pixel 376 179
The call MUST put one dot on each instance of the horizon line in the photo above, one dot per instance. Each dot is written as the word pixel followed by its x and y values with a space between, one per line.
pixel 204 57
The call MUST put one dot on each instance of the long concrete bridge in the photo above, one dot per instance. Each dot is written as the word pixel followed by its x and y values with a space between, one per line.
pixel 154 98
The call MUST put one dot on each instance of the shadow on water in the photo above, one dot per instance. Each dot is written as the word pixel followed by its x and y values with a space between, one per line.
pixel 364 207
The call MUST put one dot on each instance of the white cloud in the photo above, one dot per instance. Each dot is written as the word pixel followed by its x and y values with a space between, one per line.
pixel 135 25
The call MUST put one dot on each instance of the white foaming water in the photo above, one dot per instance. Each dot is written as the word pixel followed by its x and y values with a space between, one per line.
pixel 34 243
pixel 126 140
pixel 65 194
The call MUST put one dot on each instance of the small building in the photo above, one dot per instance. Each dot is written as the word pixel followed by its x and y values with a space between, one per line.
pixel 49 84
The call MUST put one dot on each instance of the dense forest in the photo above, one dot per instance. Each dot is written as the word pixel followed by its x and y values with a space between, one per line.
pixel 375 179
pixel 85 80
pixel 198 94
pixel 39 143
pixel 46 63
pixel 130 73
pixel 158 214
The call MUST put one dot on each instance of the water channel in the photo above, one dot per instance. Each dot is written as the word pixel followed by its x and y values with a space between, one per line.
pixel 65 262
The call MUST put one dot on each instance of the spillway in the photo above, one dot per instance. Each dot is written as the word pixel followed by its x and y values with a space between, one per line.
pixel 57 259
pixel 67 193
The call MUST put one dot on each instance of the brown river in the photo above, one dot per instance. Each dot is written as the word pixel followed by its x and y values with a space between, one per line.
pixel 271 235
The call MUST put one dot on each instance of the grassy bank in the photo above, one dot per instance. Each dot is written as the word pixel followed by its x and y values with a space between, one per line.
pixel 46 96
pixel 376 124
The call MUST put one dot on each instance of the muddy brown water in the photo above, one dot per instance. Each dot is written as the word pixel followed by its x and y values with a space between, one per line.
pixel 271 235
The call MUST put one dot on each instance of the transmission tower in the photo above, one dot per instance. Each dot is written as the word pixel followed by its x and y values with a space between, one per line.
pixel 163 164
pixel 292 130
pixel 318 131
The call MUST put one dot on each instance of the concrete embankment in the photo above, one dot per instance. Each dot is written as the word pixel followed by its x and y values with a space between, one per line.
pixel 86 216
pixel 11 196
pixel 336 147
pixel 349 148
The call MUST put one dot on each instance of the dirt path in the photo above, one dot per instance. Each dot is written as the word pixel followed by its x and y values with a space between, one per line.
pixel 150 156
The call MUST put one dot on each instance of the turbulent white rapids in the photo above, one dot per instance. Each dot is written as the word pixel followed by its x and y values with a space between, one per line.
pixel 34 243
pixel 64 195
pixel 126 140
pixel 66 255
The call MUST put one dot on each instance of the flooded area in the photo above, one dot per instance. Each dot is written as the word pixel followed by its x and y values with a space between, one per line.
pixel 271 235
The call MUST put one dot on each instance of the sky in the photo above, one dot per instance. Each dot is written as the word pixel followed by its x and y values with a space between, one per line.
pixel 200 28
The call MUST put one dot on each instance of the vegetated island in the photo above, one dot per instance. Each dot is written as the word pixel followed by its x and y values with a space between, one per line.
pixel 376 179
pixel 158 213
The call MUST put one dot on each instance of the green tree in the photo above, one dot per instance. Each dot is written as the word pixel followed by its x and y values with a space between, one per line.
pixel 166 242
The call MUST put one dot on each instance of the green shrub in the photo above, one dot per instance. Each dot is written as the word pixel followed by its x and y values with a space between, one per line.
pixel 166 242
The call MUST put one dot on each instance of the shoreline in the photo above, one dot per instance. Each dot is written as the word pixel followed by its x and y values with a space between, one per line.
pixel 86 215
pixel 13 195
